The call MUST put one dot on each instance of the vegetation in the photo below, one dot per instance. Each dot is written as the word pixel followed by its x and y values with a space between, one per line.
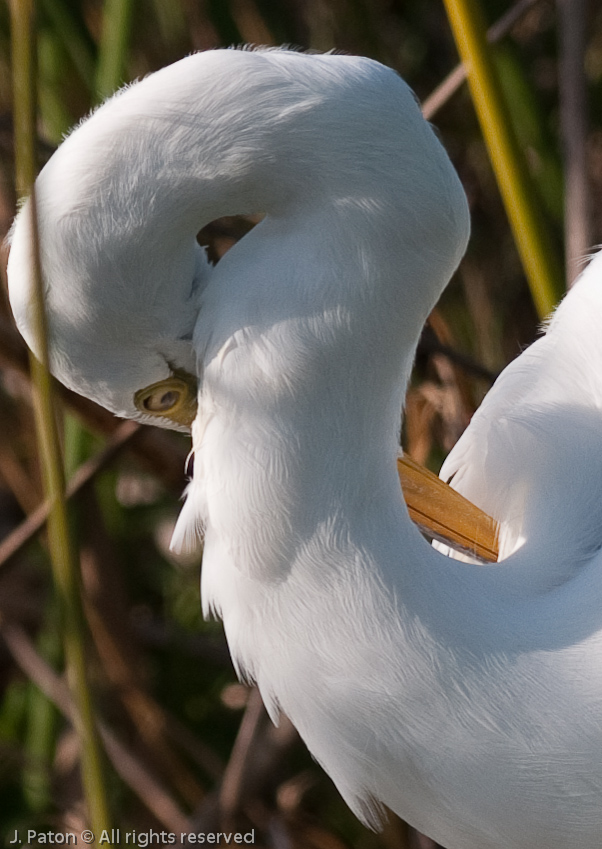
pixel 186 747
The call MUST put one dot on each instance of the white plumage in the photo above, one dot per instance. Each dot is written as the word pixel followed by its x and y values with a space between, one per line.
pixel 468 699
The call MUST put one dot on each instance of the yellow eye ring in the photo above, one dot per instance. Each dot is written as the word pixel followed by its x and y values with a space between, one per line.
pixel 173 398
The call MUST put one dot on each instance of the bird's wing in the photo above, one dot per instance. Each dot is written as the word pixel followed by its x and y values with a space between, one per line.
pixel 530 456
pixel 481 465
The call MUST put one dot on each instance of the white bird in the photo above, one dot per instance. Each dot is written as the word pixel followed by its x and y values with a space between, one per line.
pixel 466 698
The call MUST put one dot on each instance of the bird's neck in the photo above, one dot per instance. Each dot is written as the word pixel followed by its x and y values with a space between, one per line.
pixel 305 364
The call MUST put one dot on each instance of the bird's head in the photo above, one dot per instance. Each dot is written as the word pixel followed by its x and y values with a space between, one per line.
pixel 121 303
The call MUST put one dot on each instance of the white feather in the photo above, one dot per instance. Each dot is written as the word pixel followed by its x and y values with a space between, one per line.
pixel 465 698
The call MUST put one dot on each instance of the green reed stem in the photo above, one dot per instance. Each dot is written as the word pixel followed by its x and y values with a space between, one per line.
pixel 112 51
pixel 64 563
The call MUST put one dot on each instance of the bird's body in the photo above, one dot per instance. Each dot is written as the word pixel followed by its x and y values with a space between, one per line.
pixel 468 699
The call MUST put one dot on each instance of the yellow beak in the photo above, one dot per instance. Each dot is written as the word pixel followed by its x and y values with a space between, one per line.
pixel 443 514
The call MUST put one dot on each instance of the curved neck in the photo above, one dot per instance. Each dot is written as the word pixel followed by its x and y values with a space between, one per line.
pixel 231 132
pixel 306 336
pixel 307 327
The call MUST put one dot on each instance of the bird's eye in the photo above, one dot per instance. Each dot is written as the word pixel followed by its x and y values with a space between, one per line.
pixel 173 398
pixel 161 402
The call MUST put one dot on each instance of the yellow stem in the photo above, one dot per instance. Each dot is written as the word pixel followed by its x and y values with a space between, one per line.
pixel 541 266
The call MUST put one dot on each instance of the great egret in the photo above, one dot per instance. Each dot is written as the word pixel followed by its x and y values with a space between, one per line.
pixel 466 698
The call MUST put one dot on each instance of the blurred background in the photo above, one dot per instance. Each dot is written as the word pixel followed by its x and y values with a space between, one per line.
pixel 190 748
